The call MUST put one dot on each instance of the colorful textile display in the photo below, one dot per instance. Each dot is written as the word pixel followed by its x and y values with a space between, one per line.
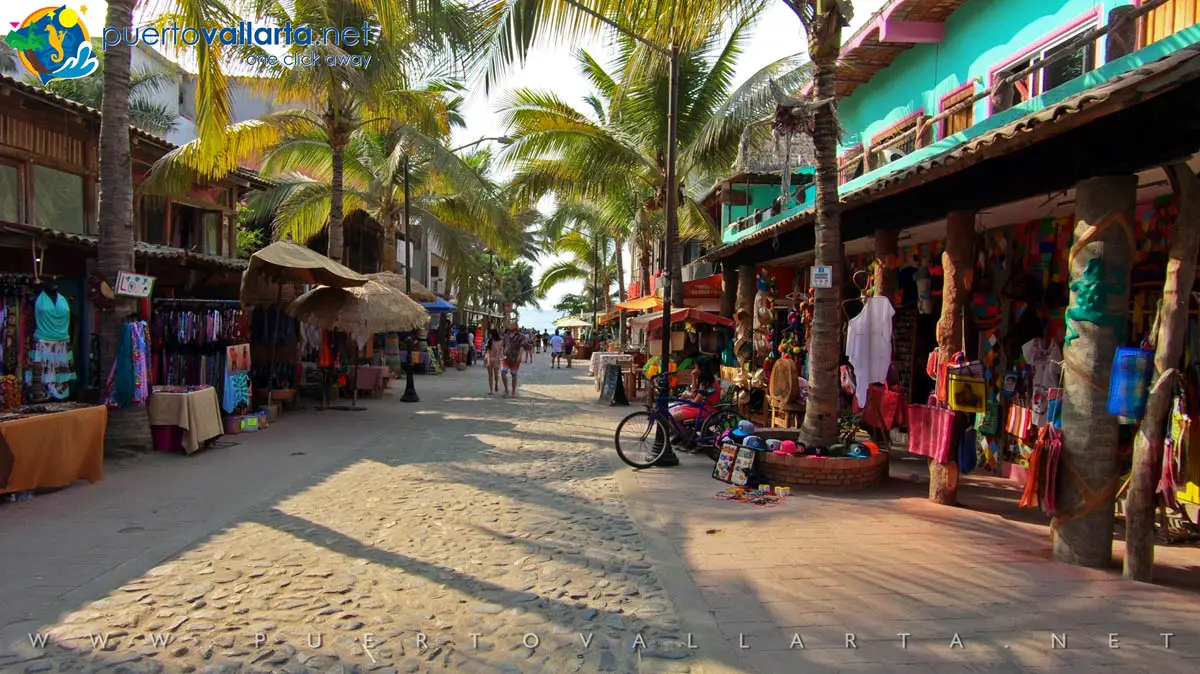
pixel 55 362
pixel 1129 388
pixel 236 391
pixel 128 382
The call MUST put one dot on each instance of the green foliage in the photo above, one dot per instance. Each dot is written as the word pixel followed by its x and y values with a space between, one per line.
pixel 573 305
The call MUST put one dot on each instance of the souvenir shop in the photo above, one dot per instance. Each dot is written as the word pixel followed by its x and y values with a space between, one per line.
pixel 40 326
pixel 1007 378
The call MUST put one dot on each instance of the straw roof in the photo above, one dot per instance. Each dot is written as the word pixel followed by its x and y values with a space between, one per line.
pixel 419 292
pixel 288 262
pixel 361 312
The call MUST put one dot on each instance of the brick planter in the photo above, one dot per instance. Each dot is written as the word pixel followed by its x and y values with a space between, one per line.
pixel 810 471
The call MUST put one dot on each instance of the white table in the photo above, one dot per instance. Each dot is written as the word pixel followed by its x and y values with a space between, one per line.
pixel 601 361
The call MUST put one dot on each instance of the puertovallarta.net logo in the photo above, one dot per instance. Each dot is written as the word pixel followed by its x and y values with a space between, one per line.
pixel 53 44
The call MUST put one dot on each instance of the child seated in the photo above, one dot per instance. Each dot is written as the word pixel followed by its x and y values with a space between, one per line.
pixel 705 388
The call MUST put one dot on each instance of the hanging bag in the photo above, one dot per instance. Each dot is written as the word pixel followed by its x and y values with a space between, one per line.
pixel 1019 421
pixel 1129 388
pixel 967 393
pixel 929 431
pixel 989 421
pixel 883 407
pixel 968 452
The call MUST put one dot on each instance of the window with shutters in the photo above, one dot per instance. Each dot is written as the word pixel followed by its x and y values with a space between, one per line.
pixel 963 115
pixel 1168 19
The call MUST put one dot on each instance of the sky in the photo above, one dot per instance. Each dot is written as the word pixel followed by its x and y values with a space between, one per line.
pixel 550 66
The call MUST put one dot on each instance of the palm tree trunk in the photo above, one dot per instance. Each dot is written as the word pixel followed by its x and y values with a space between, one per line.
pixel 1172 326
pixel 337 251
pixel 820 425
pixel 621 294
pixel 956 263
pixel 387 257
pixel 676 276
pixel 129 427
pixel 1101 262
pixel 644 263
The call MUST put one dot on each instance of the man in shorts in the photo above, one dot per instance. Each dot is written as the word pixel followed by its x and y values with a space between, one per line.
pixel 514 344
pixel 556 349
pixel 568 347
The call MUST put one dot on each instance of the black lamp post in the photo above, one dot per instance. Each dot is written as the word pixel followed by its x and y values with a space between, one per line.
pixel 672 200
pixel 410 390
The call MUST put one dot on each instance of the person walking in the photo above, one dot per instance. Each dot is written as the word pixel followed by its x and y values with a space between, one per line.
pixel 463 341
pixel 527 345
pixel 556 349
pixel 493 351
pixel 568 346
pixel 511 365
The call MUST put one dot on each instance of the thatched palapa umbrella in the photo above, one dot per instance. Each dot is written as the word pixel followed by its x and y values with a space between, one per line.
pixel 361 312
pixel 419 292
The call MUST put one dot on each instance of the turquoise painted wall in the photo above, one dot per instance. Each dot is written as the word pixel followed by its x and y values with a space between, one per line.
pixel 981 35
pixel 761 196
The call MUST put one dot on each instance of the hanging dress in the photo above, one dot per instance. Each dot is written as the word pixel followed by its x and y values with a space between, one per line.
pixel 52 347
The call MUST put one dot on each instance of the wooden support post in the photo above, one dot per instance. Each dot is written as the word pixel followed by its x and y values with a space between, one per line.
pixel 956 263
pixel 887 243
pixel 744 315
pixel 1121 41
pixel 1100 264
pixel 1172 327
pixel 729 289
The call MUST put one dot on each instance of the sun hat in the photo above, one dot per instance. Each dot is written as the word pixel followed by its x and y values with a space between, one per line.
pixel 787 447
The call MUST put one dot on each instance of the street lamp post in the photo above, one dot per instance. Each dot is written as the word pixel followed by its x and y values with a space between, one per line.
pixel 672 202
pixel 410 390
pixel 595 288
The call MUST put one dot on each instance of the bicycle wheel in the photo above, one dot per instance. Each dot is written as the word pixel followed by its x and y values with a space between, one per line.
pixel 714 427
pixel 642 438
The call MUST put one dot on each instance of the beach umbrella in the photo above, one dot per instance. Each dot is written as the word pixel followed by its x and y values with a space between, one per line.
pixel 571 323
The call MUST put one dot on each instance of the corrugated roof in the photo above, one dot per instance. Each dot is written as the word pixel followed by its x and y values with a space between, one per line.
pixel 75 106
pixel 140 248
pixel 992 143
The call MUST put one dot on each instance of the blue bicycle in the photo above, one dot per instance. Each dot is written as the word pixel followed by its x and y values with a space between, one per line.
pixel 644 436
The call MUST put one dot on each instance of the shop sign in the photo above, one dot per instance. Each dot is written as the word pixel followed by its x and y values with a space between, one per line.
pixel 822 277
pixel 134 285
pixel 709 286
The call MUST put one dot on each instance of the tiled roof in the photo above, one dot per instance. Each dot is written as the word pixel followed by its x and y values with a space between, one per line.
pixel 140 248
pixel 1047 122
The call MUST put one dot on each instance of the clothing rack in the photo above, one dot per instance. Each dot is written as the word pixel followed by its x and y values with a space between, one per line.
pixel 172 301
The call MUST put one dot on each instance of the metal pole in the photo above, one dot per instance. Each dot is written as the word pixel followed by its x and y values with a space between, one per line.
pixel 410 391
pixel 672 236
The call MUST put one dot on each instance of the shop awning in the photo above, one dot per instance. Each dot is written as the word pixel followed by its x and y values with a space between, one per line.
pixel 610 317
pixel 642 303
pixel 654 321
pixel 438 306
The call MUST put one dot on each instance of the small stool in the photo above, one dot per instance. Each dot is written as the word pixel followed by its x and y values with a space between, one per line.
pixel 788 415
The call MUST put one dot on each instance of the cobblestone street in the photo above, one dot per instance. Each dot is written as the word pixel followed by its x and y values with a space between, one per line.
pixel 475 534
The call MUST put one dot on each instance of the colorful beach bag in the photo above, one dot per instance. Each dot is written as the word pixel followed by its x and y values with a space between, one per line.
pixel 989 421
pixel 1129 387
pixel 929 431
pixel 1019 422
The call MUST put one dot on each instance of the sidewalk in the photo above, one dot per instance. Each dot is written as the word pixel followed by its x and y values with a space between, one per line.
pixel 823 569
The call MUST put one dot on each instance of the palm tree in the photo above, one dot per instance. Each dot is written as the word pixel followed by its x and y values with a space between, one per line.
pixel 115 250
pixel 144 112
pixel 454 202
pixel 613 151
pixel 823 21
pixel 334 99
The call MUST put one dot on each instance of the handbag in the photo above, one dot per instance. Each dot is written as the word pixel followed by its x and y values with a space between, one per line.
pixel 1129 387
pixel 968 452
pixel 967 393
pixel 883 406
pixel 1019 421
pixel 989 421
pixel 929 431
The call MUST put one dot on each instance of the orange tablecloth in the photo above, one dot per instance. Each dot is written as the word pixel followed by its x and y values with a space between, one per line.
pixel 52 450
